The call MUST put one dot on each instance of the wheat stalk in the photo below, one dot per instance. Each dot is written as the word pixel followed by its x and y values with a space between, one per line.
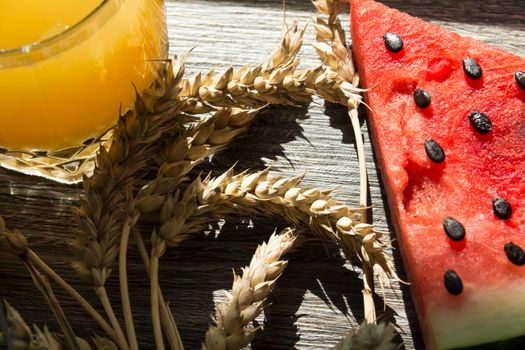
pixel 249 292
pixel 130 220
pixel 167 319
pixel 42 283
pixel 369 337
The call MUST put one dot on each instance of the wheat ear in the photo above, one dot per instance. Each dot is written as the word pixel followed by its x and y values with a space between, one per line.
pixel 332 48
pixel 134 142
pixel 276 82
pixel 369 337
pixel 249 292
pixel 196 143
pixel 16 334
pixel 104 206
pixel 15 243
pixel 15 331
pixel 189 212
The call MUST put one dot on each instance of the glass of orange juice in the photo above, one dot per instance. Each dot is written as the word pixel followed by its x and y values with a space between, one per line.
pixel 67 69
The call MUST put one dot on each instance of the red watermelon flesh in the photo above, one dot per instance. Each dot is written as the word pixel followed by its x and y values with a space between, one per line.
pixel 477 167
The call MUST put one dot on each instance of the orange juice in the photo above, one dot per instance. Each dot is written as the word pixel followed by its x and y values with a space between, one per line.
pixel 67 67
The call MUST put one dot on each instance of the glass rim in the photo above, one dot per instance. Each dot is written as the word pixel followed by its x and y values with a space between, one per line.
pixel 27 49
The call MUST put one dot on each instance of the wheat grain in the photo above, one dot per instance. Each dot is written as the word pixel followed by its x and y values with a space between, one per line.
pixel 102 343
pixel 330 7
pixel 249 292
pixel 331 45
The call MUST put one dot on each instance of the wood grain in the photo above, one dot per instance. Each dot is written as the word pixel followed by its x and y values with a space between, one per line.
pixel 319 297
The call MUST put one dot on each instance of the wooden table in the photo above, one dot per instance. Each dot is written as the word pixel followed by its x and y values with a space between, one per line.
pixel 319 297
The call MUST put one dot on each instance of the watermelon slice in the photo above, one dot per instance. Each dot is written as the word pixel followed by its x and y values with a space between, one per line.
pixel 448 126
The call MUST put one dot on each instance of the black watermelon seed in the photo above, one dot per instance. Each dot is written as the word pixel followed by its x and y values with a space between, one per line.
pixel 515 254
pixel 520 79
pixel 480 122
pixel 501 208
pixel 472 68
pixel 434 151
pixel 453 282
pixel 422 98
pixel 454 229
pixel 393 42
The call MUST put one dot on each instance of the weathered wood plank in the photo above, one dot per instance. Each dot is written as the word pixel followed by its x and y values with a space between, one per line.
pixel 319 296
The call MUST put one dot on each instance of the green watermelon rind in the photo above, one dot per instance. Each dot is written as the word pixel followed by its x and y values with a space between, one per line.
pixel 510 344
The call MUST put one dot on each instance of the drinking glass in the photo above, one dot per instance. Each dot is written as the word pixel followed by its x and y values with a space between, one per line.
pixel 67 71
